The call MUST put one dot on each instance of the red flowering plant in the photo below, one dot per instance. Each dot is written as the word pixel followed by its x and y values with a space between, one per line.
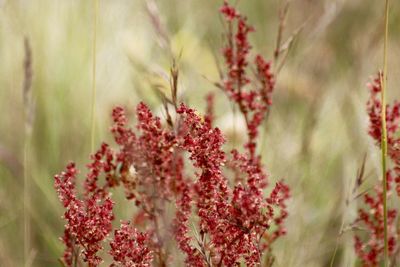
pixel 369 242
pixel 180 163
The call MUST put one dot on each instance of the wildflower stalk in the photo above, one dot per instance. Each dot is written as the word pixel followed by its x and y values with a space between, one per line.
pixel 384 131
pixel 28 120
pixel 93 106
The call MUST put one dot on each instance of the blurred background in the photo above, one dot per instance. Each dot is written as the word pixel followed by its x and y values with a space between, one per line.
pixel 316 134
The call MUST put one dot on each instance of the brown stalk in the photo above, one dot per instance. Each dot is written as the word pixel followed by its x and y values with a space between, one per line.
pixel 360 178
pixel 282 23
pixel 155 19
pixel 28 120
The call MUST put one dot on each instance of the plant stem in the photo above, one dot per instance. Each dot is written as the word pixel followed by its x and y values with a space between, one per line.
pixel 27 197
pixel 93 106
pixel 384 132
pixel 337 244
pixel 28 122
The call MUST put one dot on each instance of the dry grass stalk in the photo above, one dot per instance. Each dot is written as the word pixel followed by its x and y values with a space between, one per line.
pixel 93 105
pixel 28 119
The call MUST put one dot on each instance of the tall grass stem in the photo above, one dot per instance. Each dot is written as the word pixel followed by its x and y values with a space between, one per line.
pixel 27 197
pixel 28 123
pixel 384 132
pixel 94 47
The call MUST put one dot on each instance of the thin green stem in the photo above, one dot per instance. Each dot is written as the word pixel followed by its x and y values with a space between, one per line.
pixel 27 197
pixel 384 133
pixel 337 244
pixel 93 106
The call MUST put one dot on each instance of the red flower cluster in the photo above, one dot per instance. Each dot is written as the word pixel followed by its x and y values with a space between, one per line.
pixel 152 169
pixel 102 162
pixel 152 173
pixel 369 246
pixel 129 247
pixel 88 220
pixel 374 108
pixel 251 94
pixel 231 219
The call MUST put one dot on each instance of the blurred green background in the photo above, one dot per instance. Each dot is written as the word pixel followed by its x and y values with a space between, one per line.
pixel 316 135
